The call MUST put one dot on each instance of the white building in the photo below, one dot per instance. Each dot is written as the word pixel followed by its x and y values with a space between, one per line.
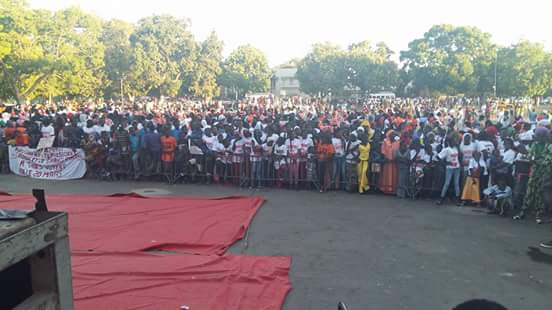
pixel 284 83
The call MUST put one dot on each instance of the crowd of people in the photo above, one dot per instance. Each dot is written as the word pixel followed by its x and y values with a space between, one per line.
pixel 490 154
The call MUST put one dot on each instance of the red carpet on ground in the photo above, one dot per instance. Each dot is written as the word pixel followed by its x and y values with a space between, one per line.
pixel 108 235
pixel 129 223
pixel 149 281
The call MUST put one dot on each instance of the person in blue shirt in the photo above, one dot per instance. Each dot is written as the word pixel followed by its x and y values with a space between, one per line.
pixel 134 141
pixel 152 145
pixel 176 131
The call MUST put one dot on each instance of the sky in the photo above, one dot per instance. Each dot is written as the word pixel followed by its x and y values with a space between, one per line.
pixel 286 29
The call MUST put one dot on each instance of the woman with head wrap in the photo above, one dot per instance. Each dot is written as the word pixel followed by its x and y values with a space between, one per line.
pixel 540 155
pixel 325 151
pixel 389 177
pixel 363 160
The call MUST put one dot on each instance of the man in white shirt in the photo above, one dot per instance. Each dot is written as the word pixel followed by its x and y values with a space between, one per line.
pixel 508 155
pixel 102 127
pixel 339 159
pixel 47 129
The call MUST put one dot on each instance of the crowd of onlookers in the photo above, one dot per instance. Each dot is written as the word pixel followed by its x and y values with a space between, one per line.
pixel 474 153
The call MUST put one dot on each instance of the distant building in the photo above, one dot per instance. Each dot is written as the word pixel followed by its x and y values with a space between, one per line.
pixel 284 83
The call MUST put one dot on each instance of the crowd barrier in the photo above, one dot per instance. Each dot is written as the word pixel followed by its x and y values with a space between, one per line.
pixel 249 170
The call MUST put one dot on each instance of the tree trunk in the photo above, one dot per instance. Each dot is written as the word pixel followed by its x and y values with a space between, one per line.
pixel 36 84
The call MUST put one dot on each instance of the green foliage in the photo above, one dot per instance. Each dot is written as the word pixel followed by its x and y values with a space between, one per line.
pixel 45 54
pixel 324 70
pixel 450 60
pixel 246 70
pixel 207 69
pixel 524 70
pixel 328 68
pixel 118 57
pixel 372 68
pixel 164 54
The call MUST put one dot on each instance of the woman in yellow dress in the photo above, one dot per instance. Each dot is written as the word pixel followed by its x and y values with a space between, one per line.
pixel 363 159
pixel 477 167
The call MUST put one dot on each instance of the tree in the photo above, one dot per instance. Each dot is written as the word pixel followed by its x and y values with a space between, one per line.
pixel 450 60
pixel 118 56
pixel 164 54
pixel 324 70
pixel 21 55
pixel 207 69
pixel 246 70
pixel 80 52
pixel 524 70
pixel 372 68
pixel 45 54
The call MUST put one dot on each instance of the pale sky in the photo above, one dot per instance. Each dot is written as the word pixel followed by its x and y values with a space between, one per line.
pixel 286 29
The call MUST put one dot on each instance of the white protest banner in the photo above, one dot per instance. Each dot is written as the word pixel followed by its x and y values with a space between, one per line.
pixel 45 142
pixel 49 164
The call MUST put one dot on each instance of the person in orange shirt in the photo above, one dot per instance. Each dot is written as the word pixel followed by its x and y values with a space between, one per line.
pixel 390 174
pixel 168 150
pixel 9 131
pixel 21 137
pixel 325 152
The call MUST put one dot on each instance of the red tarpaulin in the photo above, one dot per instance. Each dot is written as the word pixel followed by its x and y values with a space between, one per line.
pixel 147 281
pixel 129 223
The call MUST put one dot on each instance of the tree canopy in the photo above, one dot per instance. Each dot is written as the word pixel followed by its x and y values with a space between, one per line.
pixel 246 70
pixel 330 69
pixel 207 68
pixel 524 69
pixel 450 60
pixel 71 53
pixel 48 54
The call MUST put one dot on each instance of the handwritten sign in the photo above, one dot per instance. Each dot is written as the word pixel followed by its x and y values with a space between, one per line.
pixel 45 143
pixel 50 163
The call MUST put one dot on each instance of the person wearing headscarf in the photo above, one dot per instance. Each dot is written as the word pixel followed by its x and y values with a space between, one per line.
pixel 472 188
pixel 326 151
pixel 540 157
pixel 363 162
pixel 389 177
pixel 467 148
pixel 402 156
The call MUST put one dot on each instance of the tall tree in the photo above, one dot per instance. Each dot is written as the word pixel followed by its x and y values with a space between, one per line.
pixel 324 70
pixel 450 60
pixel 164 54
pixel 45 54
pixel 118 57
pixel 372 68
pixel 524 70
pixel 246 70
pixel 207 69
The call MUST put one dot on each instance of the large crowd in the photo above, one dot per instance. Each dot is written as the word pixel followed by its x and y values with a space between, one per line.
pixel 491 153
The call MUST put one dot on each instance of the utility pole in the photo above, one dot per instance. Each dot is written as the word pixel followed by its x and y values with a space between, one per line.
pixel 495 65
pixel 122 90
